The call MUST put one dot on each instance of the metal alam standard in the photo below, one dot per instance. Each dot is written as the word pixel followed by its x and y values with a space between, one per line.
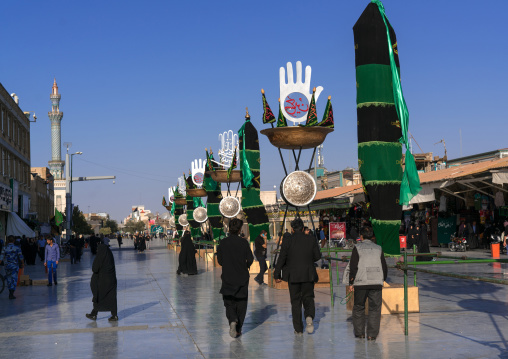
pixel 382 126
pixel 298 188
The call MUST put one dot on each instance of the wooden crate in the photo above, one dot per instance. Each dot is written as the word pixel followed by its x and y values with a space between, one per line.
pixel 393 299
pixel 323 280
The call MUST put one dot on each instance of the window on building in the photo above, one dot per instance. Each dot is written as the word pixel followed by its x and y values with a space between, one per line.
pixel 2 160
pixel 2 117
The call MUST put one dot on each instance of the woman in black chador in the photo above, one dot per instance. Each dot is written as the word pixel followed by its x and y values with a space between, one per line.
pixel 187 257
pixel 422 242
pixel 103 284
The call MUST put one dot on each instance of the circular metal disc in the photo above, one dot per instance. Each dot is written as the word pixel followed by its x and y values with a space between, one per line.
pixel 172 221
pixel 183 220
pixel 200 215
pixel 229 207
pixel 298 188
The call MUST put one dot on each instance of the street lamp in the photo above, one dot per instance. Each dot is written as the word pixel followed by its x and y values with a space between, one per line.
pixel 68 194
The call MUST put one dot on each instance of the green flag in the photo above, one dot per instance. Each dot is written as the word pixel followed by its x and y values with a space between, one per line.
pixel 268 116
pixel 312 115
pixel 410 181
pixel 327 120
pixel 281 120
pixel 58 217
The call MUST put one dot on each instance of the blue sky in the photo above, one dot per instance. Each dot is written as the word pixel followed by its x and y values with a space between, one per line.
pixel 146 86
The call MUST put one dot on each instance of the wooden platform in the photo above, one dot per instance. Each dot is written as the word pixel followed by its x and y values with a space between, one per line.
pixel 323 281
pixel 393 299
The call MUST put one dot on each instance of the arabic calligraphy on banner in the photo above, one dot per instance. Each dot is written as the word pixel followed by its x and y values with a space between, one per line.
pixel 296 105
pixel 337 230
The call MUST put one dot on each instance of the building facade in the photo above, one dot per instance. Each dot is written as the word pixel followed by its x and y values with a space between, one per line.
pixel 42 195
pixel 15 178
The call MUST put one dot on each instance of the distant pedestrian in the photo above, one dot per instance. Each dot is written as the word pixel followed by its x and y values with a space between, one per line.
pixel 41 243
pixel 367 272
pixel 120 242
pixel 235 257
pixel 260 253
pixel 296 262
pixel 51 257
pixel 13 260
pixel 187 257
pixel 103 284
pixel 73 243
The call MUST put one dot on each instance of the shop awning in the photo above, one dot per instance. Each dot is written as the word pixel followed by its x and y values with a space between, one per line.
pixel 17 227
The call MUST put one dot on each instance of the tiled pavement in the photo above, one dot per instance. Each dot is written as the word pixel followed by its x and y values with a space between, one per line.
pixel 163 315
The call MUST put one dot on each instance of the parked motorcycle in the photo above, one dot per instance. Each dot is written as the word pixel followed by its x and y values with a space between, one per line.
pixel 457 244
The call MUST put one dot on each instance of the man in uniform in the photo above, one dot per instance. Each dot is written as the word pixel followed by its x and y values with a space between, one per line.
pixel 12 257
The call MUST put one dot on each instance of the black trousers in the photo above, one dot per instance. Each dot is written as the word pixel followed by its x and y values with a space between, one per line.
pixel 374 317
pixel 73 254
pixel 262 269
pixel 236 309
pixel 301 293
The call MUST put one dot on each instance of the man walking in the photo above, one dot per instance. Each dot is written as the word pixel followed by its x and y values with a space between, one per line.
pixel 235 257
pixel 51 257
pixel 368 271
pixel 297 257
pixel 260 253
pixel 12 257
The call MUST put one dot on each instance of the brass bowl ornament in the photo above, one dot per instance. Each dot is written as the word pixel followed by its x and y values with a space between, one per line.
pixel 172 221
pixel 182 220
pixel 296 137
pixel 298 188
pixel 181 201
pixel 221 176
pixel 196 192
pixel 229 207
pixel 200 215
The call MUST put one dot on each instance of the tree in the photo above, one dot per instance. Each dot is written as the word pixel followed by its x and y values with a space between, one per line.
pixel 79 223
pixel 112 225
pixel 106 231
pixel 134 226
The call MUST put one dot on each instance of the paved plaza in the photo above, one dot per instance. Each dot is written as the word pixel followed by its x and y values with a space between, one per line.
pixel 163 315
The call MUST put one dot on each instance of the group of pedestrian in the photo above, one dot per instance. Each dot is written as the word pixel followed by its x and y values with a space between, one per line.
pixel 296 265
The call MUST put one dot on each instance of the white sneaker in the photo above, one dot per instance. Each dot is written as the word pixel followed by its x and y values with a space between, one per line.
pixel 232 329
pixel 310 325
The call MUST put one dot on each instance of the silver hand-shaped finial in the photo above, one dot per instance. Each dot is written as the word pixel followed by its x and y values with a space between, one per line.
pixel 298 86
pixel 181 186
pixel 198 172
pixel 171 194
pixel 228 141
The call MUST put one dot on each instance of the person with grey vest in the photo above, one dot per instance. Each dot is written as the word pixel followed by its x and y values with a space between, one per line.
pixel 368 271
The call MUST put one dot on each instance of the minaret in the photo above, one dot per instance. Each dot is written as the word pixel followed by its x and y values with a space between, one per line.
pixel 56 164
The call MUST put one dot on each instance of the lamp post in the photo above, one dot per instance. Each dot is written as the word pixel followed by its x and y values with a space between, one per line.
pixel 68 193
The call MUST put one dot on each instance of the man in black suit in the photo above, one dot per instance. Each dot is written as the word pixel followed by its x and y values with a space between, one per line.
pixel 297 257
pixel 235 257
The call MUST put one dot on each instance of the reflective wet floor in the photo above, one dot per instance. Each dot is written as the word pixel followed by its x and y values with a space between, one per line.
pixel 162 315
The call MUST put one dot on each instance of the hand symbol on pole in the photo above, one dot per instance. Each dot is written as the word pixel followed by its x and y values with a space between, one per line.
pixel 181 186
pixel 228 141
pixel 198 172
pixel 298 86
pixel 171 194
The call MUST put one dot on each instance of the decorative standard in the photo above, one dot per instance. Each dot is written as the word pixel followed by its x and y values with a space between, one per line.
pixel 382 126
pixel 298 188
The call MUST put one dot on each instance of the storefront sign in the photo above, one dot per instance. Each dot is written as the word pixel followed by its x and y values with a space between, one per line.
pixel 337 230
